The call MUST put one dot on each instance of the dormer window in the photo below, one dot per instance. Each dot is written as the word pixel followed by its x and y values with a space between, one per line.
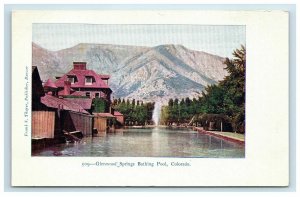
pixel 72 79
pixel 105 81
pixel 88 80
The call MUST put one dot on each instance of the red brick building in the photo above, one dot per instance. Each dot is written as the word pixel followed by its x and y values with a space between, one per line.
pixel 84 82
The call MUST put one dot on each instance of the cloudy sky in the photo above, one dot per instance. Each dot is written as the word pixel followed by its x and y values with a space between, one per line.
pixel 218 40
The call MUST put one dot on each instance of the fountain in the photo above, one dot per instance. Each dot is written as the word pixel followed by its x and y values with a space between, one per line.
pixel 156 113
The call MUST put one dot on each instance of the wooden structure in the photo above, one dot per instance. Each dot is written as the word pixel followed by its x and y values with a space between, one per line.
pixel 100 124
pixel 37 90
pixel 67 105
pixel 42 118
pixel 119 117
pixel 213 122
pixel 69 116
pixel 76 121
pixel 43 124
pixel 104 122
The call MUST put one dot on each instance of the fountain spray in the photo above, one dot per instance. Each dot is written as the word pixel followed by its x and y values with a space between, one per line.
pixel 156 113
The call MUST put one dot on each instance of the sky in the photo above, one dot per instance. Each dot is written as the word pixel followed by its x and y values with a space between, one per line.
pixel 215 39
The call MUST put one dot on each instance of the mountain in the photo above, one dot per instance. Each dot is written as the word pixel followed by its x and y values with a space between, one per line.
pixel 143 73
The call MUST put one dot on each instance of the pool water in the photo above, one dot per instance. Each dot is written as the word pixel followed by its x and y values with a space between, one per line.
pixel 157 142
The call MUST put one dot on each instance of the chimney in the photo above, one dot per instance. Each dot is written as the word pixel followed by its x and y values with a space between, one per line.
pixel 67 88
pixel 79 65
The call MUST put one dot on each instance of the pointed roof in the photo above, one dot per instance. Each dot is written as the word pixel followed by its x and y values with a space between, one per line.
pixel 50 84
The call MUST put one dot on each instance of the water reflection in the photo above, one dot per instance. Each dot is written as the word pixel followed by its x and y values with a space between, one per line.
pixel 157 142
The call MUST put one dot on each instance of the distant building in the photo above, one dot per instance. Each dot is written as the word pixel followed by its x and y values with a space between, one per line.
pixel 119 117
pixel 83 82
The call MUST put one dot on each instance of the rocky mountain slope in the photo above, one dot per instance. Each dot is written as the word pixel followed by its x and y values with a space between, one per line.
pixel 143 73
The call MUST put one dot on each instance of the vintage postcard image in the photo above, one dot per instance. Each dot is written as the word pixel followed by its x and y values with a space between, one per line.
pixel 138 90
pixel 150 98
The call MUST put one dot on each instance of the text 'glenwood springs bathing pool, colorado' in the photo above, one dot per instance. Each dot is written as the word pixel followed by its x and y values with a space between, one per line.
pixel 136 164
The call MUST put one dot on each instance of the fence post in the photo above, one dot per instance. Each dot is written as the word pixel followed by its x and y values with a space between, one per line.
pixel 221 126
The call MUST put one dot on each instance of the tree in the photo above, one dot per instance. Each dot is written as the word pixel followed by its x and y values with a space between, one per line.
pixel 170 103
pixel 136 114
pixel 127 102
pixel 187 101
pixel 100 105
pixel 176 101
pixel 225 98
pixel 235 83
pixel 115 102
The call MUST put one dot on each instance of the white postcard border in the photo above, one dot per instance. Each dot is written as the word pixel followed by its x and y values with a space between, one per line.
pixel 266 162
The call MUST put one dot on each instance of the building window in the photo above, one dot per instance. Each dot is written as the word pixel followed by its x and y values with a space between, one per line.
pixel 88 94
pixel 72 79
pixel 97 95
pixel 88 80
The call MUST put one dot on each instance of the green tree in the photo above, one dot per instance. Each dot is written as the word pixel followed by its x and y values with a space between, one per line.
pixel 136 114
pixel 170 103
pixel 235 83
pixel 100 105
pixel 228 97
pixel 225 98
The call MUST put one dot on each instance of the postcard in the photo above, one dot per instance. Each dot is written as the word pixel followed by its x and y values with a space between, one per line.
pixel 150 98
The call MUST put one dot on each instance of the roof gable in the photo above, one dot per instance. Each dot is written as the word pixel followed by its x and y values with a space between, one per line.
pixel 80 83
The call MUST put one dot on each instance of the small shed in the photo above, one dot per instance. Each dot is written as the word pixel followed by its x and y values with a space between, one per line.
pixel 104 122
pixel 42 118
pixel 69 116
pixel 76 121
pixel 43 124
pixel 119 117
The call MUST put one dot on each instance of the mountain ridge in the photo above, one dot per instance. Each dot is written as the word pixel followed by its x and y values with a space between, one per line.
pixel 144 73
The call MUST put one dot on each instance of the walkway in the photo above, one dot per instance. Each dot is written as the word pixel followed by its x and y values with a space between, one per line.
pixel 230 136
